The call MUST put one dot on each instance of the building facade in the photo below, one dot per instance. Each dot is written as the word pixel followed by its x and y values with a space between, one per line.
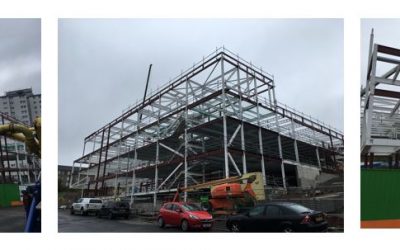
pixel 21 104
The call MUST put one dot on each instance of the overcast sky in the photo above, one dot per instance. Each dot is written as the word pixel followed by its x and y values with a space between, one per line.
pixel 386 32
pixel 19 54
pixel 103 65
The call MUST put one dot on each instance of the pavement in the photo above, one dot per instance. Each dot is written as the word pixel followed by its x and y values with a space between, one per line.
pixel 92 224
pixel 12 219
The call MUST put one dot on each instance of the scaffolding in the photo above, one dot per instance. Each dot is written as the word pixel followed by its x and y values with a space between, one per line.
pixel 218 119
pixel 380 101
pixel 16 164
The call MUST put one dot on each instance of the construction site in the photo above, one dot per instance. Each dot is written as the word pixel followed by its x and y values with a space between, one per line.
pixel 18 166
pixel 216 121
pixel 19 170
pixel 380 140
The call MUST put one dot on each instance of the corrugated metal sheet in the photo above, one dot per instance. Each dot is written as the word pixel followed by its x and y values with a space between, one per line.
pixel 8 193
pixel 380 194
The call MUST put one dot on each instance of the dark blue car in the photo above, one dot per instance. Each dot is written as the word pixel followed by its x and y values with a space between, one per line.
pixel 278 217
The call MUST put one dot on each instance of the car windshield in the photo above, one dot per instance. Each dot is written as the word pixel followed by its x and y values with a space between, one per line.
pixel 191 207
pixel 299 208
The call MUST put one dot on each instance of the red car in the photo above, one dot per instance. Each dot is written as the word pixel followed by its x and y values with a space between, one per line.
pixel 185 215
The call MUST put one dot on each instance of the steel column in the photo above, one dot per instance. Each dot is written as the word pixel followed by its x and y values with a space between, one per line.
pixel 317 153
pixel 157 159
pixel 242 141
pixel 105 160
pixel 3 173
pixel 260 140
pixel 17 163
pixel 225 142
pixel 8 160
pixel 133 179
pixel 186 142
pixel 99 164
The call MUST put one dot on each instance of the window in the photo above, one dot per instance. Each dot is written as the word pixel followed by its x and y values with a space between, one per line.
pixel 299 208
pixel 168 206
pixel 191 207
pixel 272 211
pixel 256 211
pixel 287 211
pixel 175 207
pixel 95 201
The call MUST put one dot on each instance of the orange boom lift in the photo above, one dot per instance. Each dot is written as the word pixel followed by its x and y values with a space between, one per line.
pixel 228 195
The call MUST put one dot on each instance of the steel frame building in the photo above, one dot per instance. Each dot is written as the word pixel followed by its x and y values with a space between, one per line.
pixel 380 102
pixel 16 164
pixel 220 118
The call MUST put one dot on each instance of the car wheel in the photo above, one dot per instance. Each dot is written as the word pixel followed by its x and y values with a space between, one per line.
pixel 72 212
pixel 82 211
pixel 185 225
pixel 287 229
pixel 235 227
pixel 126 217
pixel 161 222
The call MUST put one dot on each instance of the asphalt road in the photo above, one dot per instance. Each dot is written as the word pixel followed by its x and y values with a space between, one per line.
pixel 91 224
pixel 12 219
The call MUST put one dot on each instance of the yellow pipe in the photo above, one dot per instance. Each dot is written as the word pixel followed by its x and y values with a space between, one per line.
pixel 18 137
pixel 37 123
pixel 24 134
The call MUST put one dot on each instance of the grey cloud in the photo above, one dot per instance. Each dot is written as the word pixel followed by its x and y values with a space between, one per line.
pixel 20 50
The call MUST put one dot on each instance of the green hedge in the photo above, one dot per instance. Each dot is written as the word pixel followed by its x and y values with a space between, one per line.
pixel 8 193
pixel 380 194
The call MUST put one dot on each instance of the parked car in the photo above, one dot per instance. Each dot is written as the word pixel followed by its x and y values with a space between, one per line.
pixel 185 215
pixel 85 206
pixel 278 217
pixel 114 209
